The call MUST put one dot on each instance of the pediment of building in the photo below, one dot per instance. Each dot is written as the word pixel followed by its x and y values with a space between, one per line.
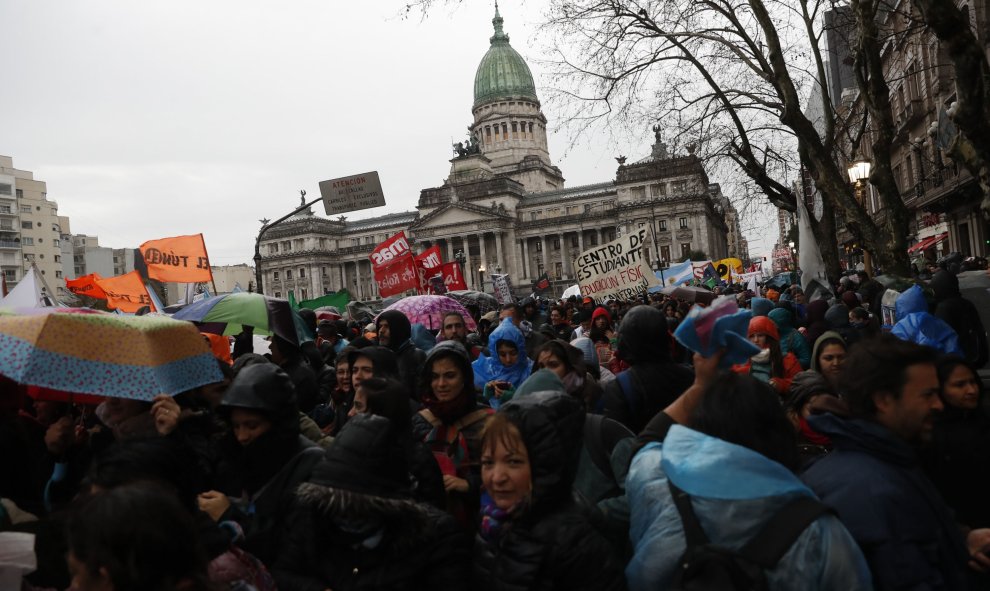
pixel 460 214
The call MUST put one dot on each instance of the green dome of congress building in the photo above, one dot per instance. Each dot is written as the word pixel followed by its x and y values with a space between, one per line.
pixel 502 73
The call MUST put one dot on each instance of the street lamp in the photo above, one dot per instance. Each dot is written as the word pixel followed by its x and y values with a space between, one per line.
pixel 859 173
pixel 793 254
pixel 481 276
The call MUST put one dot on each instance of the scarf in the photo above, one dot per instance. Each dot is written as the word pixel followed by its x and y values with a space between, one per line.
pixel 810 434
pixel 761 357
pixel 493 520
pixel 447 411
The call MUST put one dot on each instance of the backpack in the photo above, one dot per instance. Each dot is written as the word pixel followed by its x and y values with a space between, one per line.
pixel 712 568
pixel 600 446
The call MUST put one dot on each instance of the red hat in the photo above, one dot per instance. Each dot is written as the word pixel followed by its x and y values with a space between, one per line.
pixel 601 312
pixel 588 300
pixel 763 325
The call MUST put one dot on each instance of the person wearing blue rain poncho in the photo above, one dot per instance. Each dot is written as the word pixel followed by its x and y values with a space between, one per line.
pixel 736 466
pixel 917 325
pixel 499 374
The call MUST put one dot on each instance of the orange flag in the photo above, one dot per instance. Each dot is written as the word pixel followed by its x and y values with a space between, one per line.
pixel 125 292
pixel 182 259
pixel 86 286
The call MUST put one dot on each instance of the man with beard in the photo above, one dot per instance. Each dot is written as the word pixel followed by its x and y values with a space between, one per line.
pixel 873 478
pixel 455 329
pixel 394 332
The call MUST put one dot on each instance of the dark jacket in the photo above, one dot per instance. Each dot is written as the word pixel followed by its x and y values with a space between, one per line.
pixel 549 543
pixel 962 316
pixel 957 461
pixel 409 359
pixel 874 482
pixel 304 380
pixel 260 478
pixel 656 381
pixel 356 527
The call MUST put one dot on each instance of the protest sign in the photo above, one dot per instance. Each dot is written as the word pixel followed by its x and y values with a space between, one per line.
pixel 503 291
pixel 615 269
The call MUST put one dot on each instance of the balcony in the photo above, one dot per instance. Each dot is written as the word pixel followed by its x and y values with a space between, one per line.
pixel 10 244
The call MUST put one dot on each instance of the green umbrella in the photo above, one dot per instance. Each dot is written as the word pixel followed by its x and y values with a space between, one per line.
pixel 267 315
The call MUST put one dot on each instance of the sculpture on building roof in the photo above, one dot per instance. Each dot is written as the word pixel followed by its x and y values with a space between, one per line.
pixel 302 197
pixel 470 148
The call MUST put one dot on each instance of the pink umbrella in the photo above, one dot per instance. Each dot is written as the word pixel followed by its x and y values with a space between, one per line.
pixel 428 310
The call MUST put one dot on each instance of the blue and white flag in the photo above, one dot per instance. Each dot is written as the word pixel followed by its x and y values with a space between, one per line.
pixel 678 274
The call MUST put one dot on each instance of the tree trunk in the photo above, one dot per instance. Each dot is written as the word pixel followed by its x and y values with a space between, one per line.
pixel 825 232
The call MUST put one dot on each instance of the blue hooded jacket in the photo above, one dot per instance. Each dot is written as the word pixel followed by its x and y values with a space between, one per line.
pixel 734 492
pixel 791 341
pixel 916 324
pixel 490 368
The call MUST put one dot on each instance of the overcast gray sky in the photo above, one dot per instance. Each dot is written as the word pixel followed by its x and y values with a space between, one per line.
pixel 159 119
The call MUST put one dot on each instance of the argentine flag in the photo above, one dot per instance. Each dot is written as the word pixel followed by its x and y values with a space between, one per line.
pixel 678 274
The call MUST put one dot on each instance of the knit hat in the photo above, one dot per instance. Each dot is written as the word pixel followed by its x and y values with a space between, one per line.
pixel 587 348
pixel 804 385
pixel 763 325
pixel 760 306
pixel 773 295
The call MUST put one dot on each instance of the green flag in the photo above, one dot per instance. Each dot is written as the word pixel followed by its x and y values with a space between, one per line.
pixel 337 300
pixel 292 300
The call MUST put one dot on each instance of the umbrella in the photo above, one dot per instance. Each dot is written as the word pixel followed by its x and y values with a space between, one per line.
pixel 428 310
pixel 267 315
pixel 697 295
pixel 89 352
pixel 484 301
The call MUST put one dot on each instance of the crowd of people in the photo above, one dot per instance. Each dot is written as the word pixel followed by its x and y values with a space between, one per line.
pixel 564 444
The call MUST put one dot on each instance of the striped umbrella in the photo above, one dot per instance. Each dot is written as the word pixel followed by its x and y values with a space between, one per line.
pixel 267 315
pixel 89 352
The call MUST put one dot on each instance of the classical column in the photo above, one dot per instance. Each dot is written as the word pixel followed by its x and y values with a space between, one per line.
pixel 484 253
pixel 357 276
pixel 580 240
pixel 450 250
pixel 499 259
pixel 564 257
pixel 525 258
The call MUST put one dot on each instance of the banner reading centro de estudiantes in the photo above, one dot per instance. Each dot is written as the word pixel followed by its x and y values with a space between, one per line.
pixel 615 269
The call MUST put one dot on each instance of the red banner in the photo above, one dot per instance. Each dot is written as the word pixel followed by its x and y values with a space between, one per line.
pixel 397 276
pixel 394 248
pixel 181 259
pixel 86 286
pixel 452 276
pixel 426 265
pixel 125 292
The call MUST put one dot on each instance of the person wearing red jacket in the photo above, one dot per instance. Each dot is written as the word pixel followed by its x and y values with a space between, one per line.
pixel 769 365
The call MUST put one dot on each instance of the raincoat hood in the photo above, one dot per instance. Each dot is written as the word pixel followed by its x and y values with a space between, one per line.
pixel 643 336
pixel 399 328
pixel 453 350
pixel 601 312
pixel 552 426
pixel 910 301
pixel 837 316
pixel 784 319
pixel 490 368
pixel 760 306
pixel 826 336
pixel 265 388
pixel 542 380
pixel 382 359
pixel 945 285
pixel 815 311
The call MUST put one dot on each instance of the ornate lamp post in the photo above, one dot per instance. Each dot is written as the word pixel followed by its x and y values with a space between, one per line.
pixel 481 277
pixel 859 173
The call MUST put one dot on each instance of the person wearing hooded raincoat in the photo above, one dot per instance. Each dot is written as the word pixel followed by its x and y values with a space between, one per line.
pixel 544 541
pixel 654 380
pixel 734 488
pixel 917 325
pixel 357 526
pixel 490 369
pixel 399 340
pixel 257 473
pixel 791 341
pixel 962 316
pixel 451 427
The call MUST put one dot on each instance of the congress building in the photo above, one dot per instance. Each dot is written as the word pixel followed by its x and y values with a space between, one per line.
pixel 505 207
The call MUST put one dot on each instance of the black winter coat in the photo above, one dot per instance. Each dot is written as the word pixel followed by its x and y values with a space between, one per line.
pixel 410 360
pixel 654 387
pixel 958 462
pixel 550 543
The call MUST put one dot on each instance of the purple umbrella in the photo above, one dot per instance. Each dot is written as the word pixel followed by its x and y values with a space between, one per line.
pixel 428 310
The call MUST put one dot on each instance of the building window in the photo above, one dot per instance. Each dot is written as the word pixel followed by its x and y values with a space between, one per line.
pixel 685 249
pixel 278 294
pixel 56 242
pixel 639 192
pixel 288 274
pixel 58 274
pixel 665 253
pixel 6 189
pixel 19 193
pixel 679 186
pixel 574 241
pixel 58 258
pixel 539 246
pixel 302 272
pixel 558 269
pixel 26 241
pixel 25 209
pixel 6 209
pixel 323 271
pixel 682 223
pixel 272 248
pixel 663 225
pixel 275 276
pixel 25 225
pixel 658 190
pixel 302 294
pixel 28 257
pixel 556 243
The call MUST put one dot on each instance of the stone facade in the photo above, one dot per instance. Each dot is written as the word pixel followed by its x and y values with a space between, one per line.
pixel 505 207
